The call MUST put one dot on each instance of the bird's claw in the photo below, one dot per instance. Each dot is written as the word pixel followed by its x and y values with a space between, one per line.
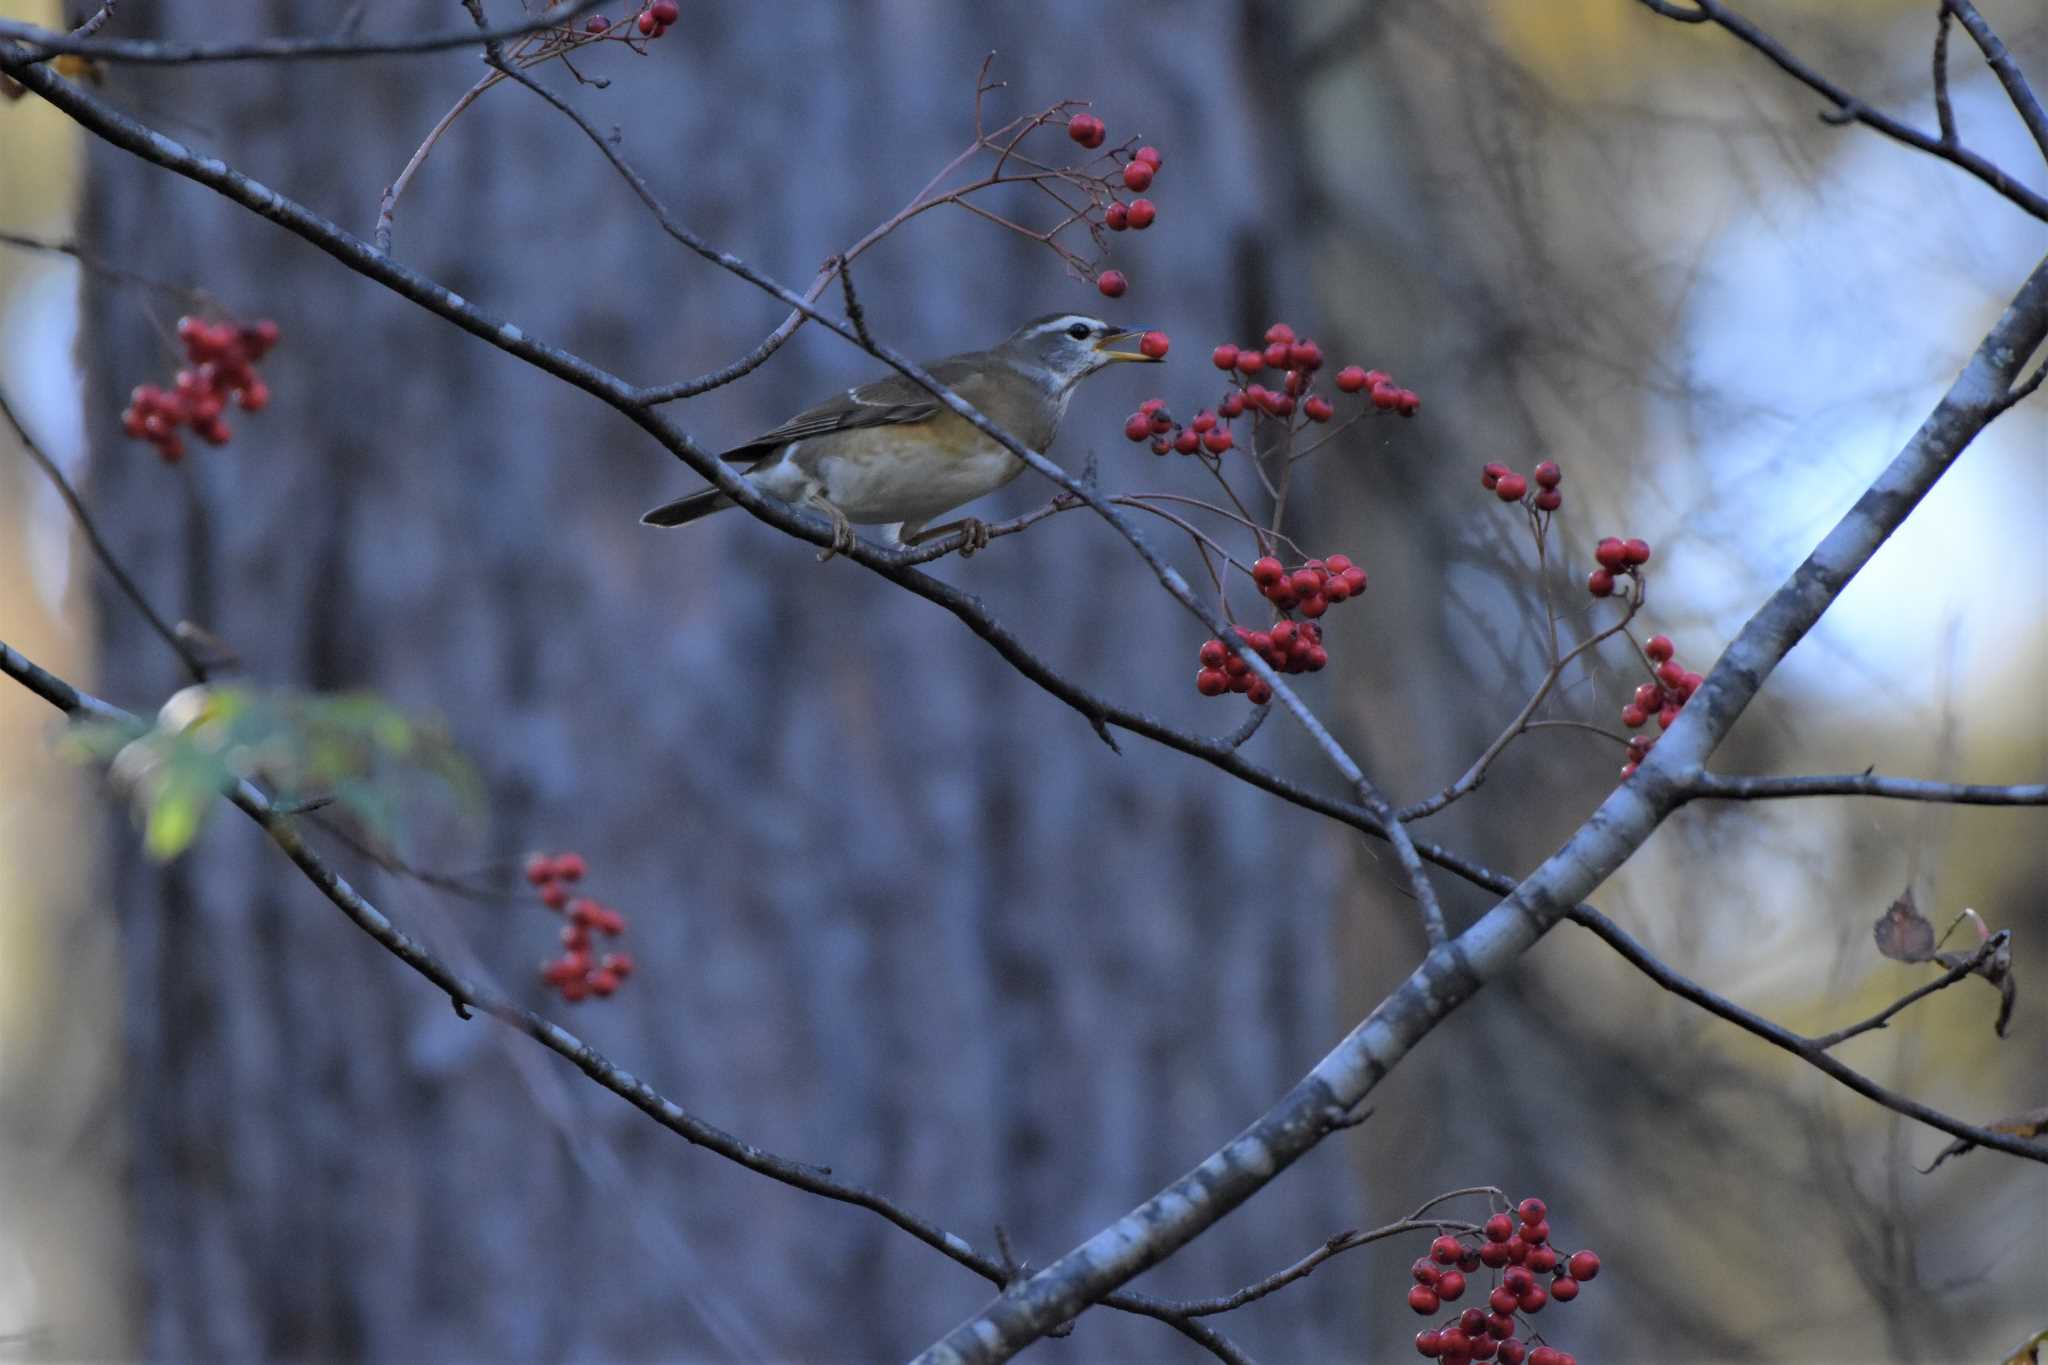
pixel 977 533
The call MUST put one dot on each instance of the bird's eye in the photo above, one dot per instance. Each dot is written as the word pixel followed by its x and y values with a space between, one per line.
pixel 1079 331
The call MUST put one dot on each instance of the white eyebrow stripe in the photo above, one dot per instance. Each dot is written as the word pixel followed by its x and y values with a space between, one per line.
pixel 1061 324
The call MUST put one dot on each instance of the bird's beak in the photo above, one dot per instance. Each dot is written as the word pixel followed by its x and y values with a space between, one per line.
pixel 1108 347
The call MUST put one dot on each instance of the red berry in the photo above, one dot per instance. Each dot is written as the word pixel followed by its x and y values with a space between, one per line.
pixel 1470 1261
pixel 1279 404
pixel 1423 1300
pixel 1337 589
pixel 1351 379
pixel 575 938
pixel 1428 1343
pixel 1667 717
pixel 1232 405
pixel 1086 129
pixel 1188 442
pixel 1472 1321
pixel 254 396
pixel 1564 1289
pixel 1276 354
pixel 1502 1300
pixel 1518 1250
pixel 1386 397
pixel 1318 409
pixel 1549 500
pixel 1407 402
pixel 646 26
pixel 1548 475
pixel 1162 421
pixel 1628 770
pixel 1611 554
pixel 1671 673
pixel 1490 476
pixel 1148 155
pixel 540 869
pixel 1212 654
pixel 603 982
pixel 1634 716
pixel 1536 1233
pixel 1112 283
pixel 1517 1280
pixel 1259 692
pixel 1636 551
pixel 596 23
pixel 1204 420
pixel 1218 441
pixel 1116 217
pixel 1266 571
pixel 1600 583
pixel 618 964
pixel 1279 331
pixel 1160 445
pixel 1305 355
pixel 1584 1265
pixel 1224 357
pixel 576 989
pixel 1513 1352
pixel 1318 657
pixel 1457 1346
pixel 1494 1254
pixel 1542 1260
pixel 554 895
pixel 1658 648
pixel 1500 1326
pixel 1425 1271
pixel 1511 488
pixel 1138 177
pixel 1545 1355
pixel 1212 682
pixel 1445 1250
pixel 1137 427
pixel 1154 344
pixel 1533 1301
pixel 570 867
pixel 665 12
pixel 1251 359
pixel 1141 212
pixel 1450 1284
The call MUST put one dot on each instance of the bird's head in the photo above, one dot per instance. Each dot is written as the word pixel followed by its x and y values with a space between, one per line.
pixel 1068 347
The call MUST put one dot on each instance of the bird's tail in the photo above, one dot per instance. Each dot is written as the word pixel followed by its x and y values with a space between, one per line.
pixel 685 510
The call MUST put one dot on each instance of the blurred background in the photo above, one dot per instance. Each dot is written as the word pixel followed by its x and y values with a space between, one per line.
pixel 898 911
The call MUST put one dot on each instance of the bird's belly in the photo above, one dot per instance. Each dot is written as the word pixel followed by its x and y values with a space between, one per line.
pixel 879 479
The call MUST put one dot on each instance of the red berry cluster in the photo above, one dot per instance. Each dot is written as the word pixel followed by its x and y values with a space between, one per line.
pixel 1508 486
pixel 1294 402
pixel 652 21
pixel 1670 688
pixel 1616 557
pixel 1311 588
pixel 575 974
pixel 1289 646
pixel 1518 1247
pixel 1133 174
pixel 222 358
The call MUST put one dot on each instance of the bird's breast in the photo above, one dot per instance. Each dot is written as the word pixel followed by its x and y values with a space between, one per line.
pixel 909 473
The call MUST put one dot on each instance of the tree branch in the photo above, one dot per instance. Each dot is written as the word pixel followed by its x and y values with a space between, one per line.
pixel 44 44
pixel 1999 59
pixel 1848 108
pixel 1717 787
pixel 100 550
pixel 468 996
pixel 1984 953
pixel 1454 971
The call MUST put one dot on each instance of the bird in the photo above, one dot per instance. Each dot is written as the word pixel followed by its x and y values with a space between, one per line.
pixel 889 453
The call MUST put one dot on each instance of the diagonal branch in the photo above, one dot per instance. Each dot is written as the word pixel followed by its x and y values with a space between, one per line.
pixel 1985 952
pixel 467 996
pixel 1850 109
pixel 101 551
pixel 1455 971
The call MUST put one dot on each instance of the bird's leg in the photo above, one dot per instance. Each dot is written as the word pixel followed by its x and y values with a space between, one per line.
pixel 977 535
pixel 842 529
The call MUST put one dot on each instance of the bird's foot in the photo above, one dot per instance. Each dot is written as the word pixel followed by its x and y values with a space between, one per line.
pixel 977 537
pixel 842 535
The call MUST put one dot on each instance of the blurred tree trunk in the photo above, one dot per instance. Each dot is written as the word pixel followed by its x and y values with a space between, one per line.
pixel 898 912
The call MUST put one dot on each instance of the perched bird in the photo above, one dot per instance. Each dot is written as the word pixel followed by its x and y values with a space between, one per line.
pixel 890 453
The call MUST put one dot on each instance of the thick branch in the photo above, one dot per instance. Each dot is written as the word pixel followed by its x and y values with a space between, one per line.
pixel 1999 59
pixel 1453 972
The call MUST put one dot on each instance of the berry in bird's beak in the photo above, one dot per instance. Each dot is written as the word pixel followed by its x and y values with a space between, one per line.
pixel 1151 346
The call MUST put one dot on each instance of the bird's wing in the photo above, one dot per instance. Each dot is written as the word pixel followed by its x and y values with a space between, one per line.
pixel 885 402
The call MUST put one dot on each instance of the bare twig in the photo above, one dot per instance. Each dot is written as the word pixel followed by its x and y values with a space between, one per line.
pixel 387 206
pixel 1999 59
pixel 130 589
pixel 1848 108
pixel 1984 953
pixel 43 44
pixel 1944 108
pixel 1717 787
